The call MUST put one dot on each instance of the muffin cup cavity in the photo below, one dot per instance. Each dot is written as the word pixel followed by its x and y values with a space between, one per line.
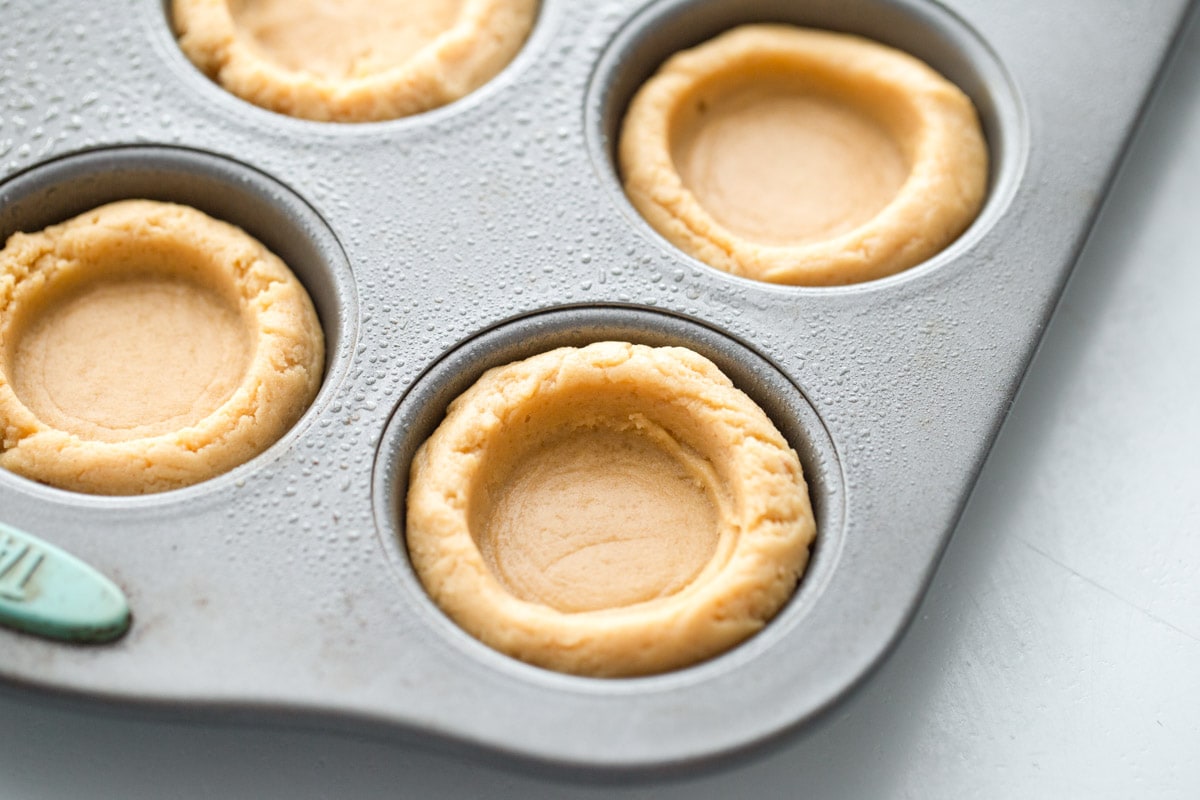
pixel 151 340
pixel 357 62
pixel 624 338
pixel 670 111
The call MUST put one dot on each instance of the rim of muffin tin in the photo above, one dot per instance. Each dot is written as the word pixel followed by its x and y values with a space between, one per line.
pixel 922 28
pixel 541 35
pixel 56 190
pixel 423 407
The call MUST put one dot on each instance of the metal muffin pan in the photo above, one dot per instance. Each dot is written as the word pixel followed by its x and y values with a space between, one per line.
pixel 441 244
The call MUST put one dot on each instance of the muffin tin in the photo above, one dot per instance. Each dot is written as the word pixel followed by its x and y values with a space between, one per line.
pixel 439 245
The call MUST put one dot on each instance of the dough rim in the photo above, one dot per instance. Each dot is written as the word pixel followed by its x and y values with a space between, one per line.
pixel 280 382
pixel 750 578
pixel 485 39
pixel 950 163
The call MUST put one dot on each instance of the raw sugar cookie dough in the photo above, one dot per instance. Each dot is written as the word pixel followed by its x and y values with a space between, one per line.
pixel 610 510
pixel 146 346
pixel 354 60
pixel 803 157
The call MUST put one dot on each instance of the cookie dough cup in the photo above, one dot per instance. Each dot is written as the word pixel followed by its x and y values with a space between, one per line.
pixel 354 61
pixel 611 510
pixel 145 346
pixel 803 157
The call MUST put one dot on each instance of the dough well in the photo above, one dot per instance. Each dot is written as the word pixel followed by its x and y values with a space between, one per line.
pixel 123 359
pixel 597 517
pixel 781 164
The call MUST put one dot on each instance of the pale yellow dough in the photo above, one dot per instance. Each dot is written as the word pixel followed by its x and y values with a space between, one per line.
pixel 146 346
pixel 610 510
pixel 351 60
pixel 803 157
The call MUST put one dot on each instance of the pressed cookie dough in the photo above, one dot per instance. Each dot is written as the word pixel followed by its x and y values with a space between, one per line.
pixel 352 61
pixel 146 346
pixel 609 510
pixel 803 157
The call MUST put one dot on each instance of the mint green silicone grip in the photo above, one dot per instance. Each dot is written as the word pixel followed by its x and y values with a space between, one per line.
pixel 48 592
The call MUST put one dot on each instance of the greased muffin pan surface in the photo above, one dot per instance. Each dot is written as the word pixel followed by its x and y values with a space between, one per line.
pixel 442 244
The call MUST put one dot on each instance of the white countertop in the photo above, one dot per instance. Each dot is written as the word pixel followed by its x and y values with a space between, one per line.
pixel 1057 654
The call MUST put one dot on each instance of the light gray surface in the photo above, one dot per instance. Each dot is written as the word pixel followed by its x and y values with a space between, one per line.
pixel 1056 654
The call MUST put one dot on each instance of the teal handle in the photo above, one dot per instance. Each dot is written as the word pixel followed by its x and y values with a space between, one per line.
pixel 48 592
